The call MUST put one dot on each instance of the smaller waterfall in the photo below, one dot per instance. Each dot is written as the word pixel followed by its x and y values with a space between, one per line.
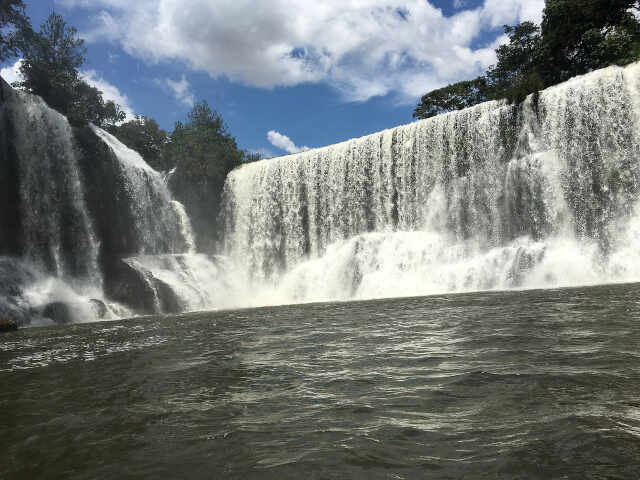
pixel 160 223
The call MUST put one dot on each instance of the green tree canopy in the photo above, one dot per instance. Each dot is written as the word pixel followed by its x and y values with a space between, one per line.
pixel 51 58
pixel 576 37
pixel 12 21
pixel 203 153
pixel 453 97
pixel 516 73
pixel 579 36
pixel 145 136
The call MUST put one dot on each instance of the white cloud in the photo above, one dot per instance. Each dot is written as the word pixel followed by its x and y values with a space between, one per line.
pixel 180 89
pixel 363 48
pixel 283 142
pixel 12 72
pixel 109 91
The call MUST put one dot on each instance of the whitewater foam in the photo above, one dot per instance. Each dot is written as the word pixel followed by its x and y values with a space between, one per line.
pixel 497 196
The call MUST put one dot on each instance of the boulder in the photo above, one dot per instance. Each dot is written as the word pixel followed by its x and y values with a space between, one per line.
pixel 169 301
pixel 130 287
pixel 99 308
pixel 7 325
pixel 59 312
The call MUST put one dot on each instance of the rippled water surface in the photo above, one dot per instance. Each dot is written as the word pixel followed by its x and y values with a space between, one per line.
pixel 537 384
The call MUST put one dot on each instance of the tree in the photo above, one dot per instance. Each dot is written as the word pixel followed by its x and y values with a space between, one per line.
pixel 203 153
pixel 51 59
pixel 453 97
pixel 143 135
pixel 582 35
pixel 576 37
pixel 88 105
pixel 12 21
pixel 516 74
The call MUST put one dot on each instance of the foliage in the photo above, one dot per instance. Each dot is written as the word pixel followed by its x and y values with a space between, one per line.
pixel 12 20
pixel 583 35
pixel 203 153
pixel 87 105
pixel 516 73
pixel 143 135
pixel 51 58
pixel 453 97
pixel 202 146
pixel 576 37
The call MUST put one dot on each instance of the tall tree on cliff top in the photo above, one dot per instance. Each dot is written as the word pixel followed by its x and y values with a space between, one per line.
pixel 12 21
pixel 51 58
pixel 576 37
pixel 204 153
pixel 579 36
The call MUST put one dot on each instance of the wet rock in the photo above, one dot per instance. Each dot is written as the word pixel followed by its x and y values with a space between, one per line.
pixel 7 325
pixel 59 312
pixel 99 308
pixel 130 287
pixel 169 301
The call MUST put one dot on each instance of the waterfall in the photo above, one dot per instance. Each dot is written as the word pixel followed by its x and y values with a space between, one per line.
pixel 57 235
pixel 58 257
pixel 496 196
pixel 160 223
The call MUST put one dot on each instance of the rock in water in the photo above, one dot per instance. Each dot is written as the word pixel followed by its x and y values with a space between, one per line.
pixel 169 301
pixel 7 325
pixel 130 287
pixel 99 308
pixel 58 312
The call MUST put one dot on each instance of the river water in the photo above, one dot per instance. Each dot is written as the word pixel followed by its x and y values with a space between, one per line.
pixel 535 384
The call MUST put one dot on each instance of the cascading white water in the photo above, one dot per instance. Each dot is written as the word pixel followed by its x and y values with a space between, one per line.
pixel 59 261
pixel 496 196
pixel 198 282
pixel 57 233
pixel 538 195
pixel 166 258
pixel 160 223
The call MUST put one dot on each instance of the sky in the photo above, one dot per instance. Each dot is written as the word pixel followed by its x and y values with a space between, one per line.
pixel 286 75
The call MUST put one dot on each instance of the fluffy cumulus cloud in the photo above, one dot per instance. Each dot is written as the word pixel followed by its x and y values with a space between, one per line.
pixel 180 89
pixel 283 142
pixel 363 48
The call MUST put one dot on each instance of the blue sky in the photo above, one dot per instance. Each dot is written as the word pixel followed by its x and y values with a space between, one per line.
pixel 284 74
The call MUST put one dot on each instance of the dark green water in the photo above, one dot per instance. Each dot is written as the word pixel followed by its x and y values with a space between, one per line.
pixel 539 384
